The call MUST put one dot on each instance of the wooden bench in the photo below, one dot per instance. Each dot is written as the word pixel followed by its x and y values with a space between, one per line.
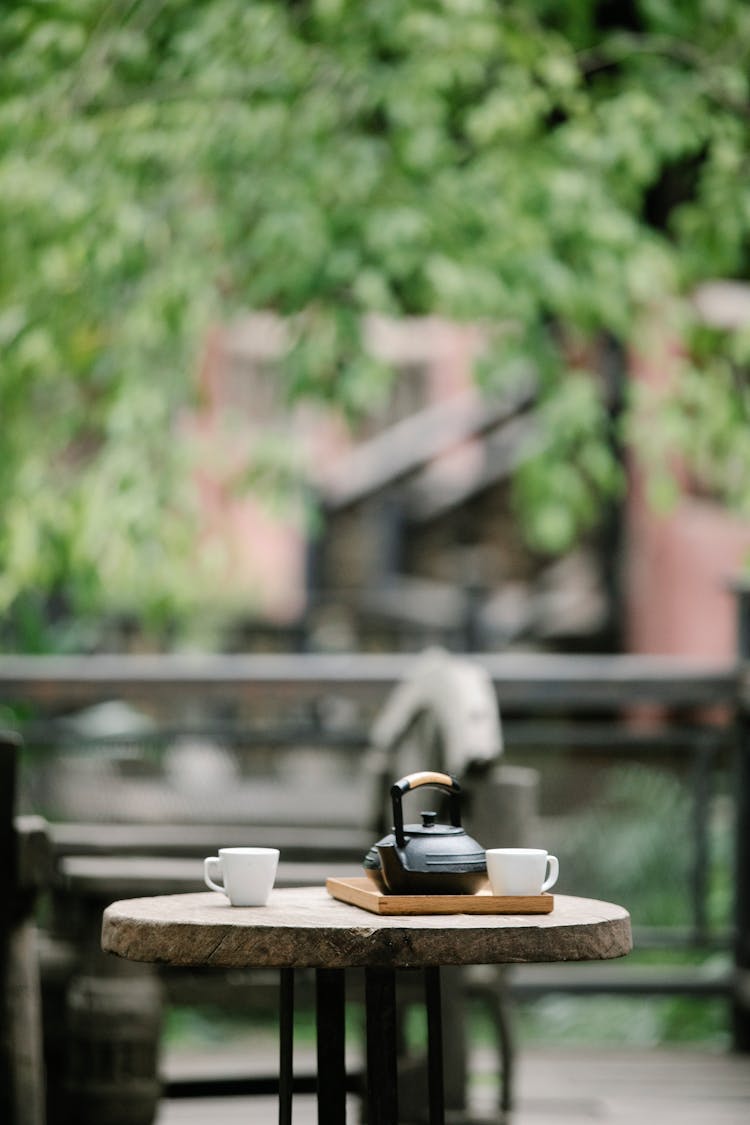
pixel 425 722
pixel 102 1042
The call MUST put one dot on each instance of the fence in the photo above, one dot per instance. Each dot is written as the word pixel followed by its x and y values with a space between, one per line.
pixel 609 709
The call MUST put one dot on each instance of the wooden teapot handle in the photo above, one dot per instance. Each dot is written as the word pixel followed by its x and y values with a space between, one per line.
pixel 436 780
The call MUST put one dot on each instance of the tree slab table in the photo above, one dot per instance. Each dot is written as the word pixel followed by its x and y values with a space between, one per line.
pixel 305 928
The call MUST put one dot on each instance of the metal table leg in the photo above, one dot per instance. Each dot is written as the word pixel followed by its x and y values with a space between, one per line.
pixel 329 1006
pixel 433 1004
pixel 286 1045
pixel 380 1005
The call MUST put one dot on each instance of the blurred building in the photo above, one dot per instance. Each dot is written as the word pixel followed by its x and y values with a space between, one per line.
pixel 412 538
pixel 680 564
pixel 399 531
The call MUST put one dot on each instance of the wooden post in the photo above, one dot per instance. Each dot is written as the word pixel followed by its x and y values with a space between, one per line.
pixel 741 990
pixel 8 755
pixel 21 851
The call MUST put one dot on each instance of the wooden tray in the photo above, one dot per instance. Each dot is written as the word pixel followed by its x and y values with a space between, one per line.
pixel 363 892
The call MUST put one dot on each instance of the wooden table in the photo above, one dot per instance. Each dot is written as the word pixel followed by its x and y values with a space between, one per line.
pixel 304 927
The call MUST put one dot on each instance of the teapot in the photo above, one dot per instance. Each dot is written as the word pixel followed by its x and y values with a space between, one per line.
pixel 427 858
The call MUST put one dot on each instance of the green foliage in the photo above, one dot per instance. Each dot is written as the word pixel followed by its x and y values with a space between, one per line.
pixel 705 420
pixel 634 1021
pixel 645 816
pixel 164 165
pixel 635 845
pixel 559 490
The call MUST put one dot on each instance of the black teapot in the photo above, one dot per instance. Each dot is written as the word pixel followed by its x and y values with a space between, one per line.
pixel 427 858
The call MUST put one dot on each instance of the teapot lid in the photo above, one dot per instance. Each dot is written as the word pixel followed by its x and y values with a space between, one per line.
pixel 430 827
pixel 435 780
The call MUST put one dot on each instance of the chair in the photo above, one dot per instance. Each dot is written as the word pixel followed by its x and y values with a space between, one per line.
pixel 444 716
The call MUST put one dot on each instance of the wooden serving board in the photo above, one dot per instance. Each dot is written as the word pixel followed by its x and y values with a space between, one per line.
pixel 363 892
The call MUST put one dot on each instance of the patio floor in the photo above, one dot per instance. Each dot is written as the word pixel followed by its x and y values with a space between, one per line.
pixel 574 1086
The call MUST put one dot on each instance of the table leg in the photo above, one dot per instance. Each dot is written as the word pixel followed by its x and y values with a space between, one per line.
pixel 329 1008
pixel 380 1006
pixel 433 1003
pixel 286 1045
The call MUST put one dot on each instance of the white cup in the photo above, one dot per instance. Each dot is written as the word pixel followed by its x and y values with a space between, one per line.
pixel 521 871
pixel 248 874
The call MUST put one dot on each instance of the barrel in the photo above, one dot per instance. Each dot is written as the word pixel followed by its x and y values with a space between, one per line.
pixel 114 1025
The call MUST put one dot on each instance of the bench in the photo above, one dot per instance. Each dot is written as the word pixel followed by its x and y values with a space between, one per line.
pixel 443 714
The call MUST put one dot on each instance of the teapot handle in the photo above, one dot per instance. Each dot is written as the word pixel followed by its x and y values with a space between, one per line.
pixel 442 781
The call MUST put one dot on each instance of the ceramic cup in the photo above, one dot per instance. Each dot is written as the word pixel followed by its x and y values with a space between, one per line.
pixel 248 874
pixel 521 871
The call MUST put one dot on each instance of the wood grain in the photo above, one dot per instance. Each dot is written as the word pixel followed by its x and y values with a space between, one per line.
pixel 306 927
pixel 363 893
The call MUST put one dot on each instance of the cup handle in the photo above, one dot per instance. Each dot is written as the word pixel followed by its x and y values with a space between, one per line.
pixel 554 871
pixel 212 863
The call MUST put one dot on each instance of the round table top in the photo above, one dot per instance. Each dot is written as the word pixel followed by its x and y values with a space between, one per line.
pixel 305 927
